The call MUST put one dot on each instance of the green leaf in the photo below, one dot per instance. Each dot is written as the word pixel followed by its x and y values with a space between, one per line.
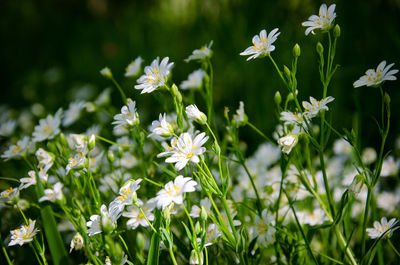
pixel 154 249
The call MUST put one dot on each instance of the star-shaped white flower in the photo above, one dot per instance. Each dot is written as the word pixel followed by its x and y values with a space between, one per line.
pixel 128 115
pixel 174 190
pixel 73 112
pixel 155 75
pixel 263 228
pixel 383 227
pixel 134 67
pixel 24 234
pixel 195 80
pixel 136 217
pixel 312 108
pixel 161 127
pixel 127 195
pixel 185 149
pixel 323 21
pixel 53 194
pixel 48 128
pixel 262 44
pixel 16 150
pixel 374 77
pixel 201 54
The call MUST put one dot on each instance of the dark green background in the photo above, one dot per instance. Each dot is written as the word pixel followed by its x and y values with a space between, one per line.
pixel 78 38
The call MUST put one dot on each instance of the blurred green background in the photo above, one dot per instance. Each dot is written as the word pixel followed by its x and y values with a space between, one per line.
pixel 51 48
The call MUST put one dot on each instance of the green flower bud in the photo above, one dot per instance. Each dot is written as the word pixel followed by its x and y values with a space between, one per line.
pixel 174 90
pixel 287 71
pixel 63 140
pixel 110 156
pixel 106 72
pixel 197 228
pixel 92 142
pixel 203 214
pixel 290 97
pixel 336 31
pixel 277 98
pixel 320 49
pixel 296 50
pixel 387 99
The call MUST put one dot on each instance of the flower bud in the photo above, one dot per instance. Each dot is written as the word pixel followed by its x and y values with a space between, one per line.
pixel 290 97
pixel 203 214
pixel 92 142
pixel 226 113
pixel 336 31
pixel 76 242
pixel 356 184
pixel 195 114
pixel 197 228
pixel 287 71
pixel 63 140
pixel 106 72
pixel 277 98
pixel 387 99
pixel 320 49
pixel 296 50
pixel 110 156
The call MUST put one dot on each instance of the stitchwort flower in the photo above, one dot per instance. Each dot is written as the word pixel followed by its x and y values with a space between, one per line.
pixel 128 115
pixel 383 227
pixel 155 75
pixel 201 54
pixel 287 142
pixel 195 114
pixel 263 228
pixel 174 190
pixel 161 127
pixel 134 67
pixel 312 108
pixel 195 80
pixel 24 234
pixel 323 21
pixel 262 44
pixel 48 128
pixel 374 77
pixel 185 149
pixel 16 150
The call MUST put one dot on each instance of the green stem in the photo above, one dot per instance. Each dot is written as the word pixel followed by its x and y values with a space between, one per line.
pixel 144 216
pixel 279 71
pixel 171 253
pixel 365 219
pixel 225 204
pixel 112 142
pixel 394 249
pixel 6 255
pixel 325 177
pixel 123 96
pixel 260 133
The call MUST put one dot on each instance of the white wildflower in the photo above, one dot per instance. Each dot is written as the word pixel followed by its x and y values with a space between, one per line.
pixel 201 54
pixel 323 21
pixel 53 194
pixel 73 112
pixel 263 228
pixel 128 115
pixel 262 44
pixel 240 117
pixel 16 150
pixel 174 190
pixel 24 234
pixel 161 127
pixel 127 196
pixel 8 127
pixel 76 242
pixel 287 142
pixel 374 77
pixel 134 67
pixel 383 227
pixel 195 114
pixel 313 107
pixel 48 128
pixel 155 75
pixel 136 217
pixel 195 80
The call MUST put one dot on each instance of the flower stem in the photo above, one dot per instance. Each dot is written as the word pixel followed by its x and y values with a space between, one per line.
pixel 260 133
pixel 393 247
pixel 171 253
pixel 144 216
pixel 123 96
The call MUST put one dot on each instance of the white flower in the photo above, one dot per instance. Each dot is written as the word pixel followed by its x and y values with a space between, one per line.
pixel 26 182
pixel 240 117
pixel 317 217
pixel 323 21
pixel 44 158
pixel 127 195
pixel 78 142
pixel 201 54
pixel 383 227
pixel 212 234
pixel 136 217
pixel 48 127
pixel 9 194
pixel 97 222
pixel 204 204
pixel 24 234
pixel 295 118
pixel 76 242
pixel 195 80
pixel 174 190
pixel 369 155
pixel 8 127
pixel 16 150
pixel 195 114
pixel 185 149
pixel 53 194
pixel 73 112
pixel 161 127
pixel 128 115
pixel 134 67
pixel 106 72
pixel 262 44
pixel 287 142
pixel 313 107
pixel 94 225
pixel 196 258
pixel 77 161
pixel 374 78
pixel 390 167
pixel 155 75
pixel 263 228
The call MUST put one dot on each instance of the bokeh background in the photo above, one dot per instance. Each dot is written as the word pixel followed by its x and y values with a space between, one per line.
pixel 50 49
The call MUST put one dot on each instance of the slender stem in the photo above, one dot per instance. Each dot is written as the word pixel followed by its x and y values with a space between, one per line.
pixel 258 200
pixel 279 71
pixel 112 142
pixel 144 216
pixel 225 204
pixel 6 255
pixel 153 182
pixel 171 253
pixel 36 254
pixel 206 253
pixel 365 219
pixel 327 189
pixel 260 133
pixel 123 96
pixel 393 247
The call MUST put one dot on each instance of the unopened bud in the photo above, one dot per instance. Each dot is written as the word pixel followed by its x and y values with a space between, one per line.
pixel 387 99
pixel 287 71
pixel 290 97
pixel 174 89
pixel 203 214
pixel 106 72
pixel 92 142
pixel 197 228
pixel 277 98
pixel 356 184
pixel 320 48
pixel 195 114
pixel 296 50
pixel 336 31
pixel 110 156
pixel 63 140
